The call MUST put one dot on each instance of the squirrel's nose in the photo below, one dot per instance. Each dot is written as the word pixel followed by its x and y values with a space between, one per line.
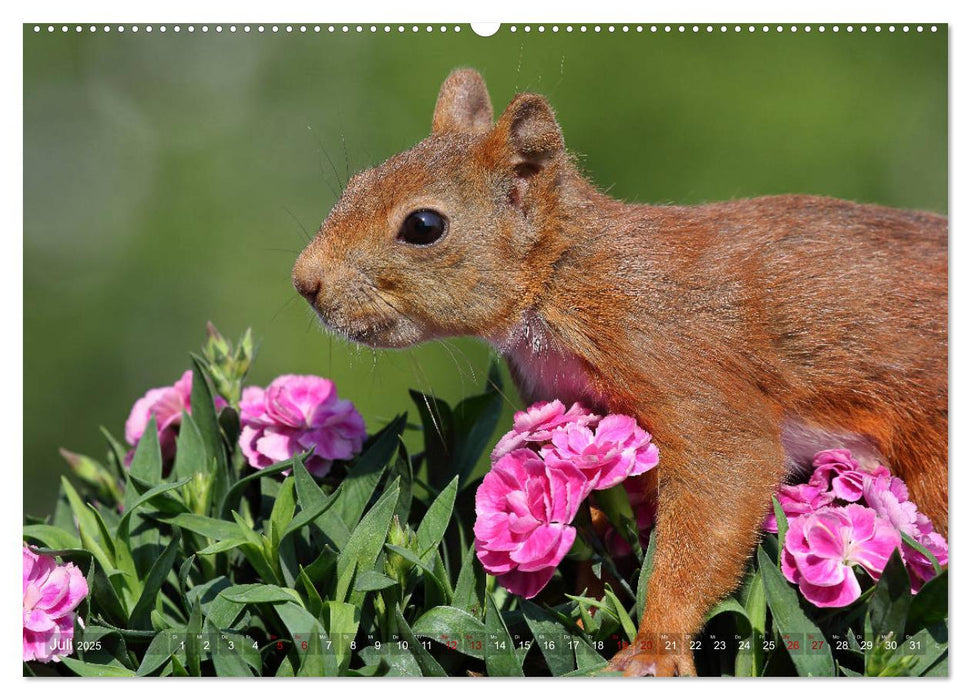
pixel 306 280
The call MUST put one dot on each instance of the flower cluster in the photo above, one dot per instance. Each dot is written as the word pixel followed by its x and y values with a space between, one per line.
pixel 542 470
pixel 294 414
pixel 51 593
pixel 847 515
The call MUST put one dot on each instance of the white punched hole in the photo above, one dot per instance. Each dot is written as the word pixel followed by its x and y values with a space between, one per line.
pixel 485 28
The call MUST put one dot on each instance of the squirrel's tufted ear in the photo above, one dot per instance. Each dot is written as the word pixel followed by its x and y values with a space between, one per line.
pixel 531 131
pixel 463 103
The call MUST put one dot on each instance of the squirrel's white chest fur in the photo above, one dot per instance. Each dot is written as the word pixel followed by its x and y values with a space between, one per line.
pixel 545 372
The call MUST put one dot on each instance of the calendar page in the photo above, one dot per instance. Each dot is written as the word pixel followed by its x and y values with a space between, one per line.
pixel 517 350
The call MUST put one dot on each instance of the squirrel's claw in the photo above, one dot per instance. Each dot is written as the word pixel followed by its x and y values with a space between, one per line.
pixel 633 663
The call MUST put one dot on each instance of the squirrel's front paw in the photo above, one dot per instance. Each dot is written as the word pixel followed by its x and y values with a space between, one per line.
pixel 634 662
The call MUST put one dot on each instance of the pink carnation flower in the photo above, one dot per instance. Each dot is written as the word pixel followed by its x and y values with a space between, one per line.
pixel 918 565
pixel 538 423
pixel 166 404
pixel 822 547
pixel 837 471
pixel 796 500
pixel 51 593
pixel 616 450
pixel 889 497
pixel 296 413
pixel 524 509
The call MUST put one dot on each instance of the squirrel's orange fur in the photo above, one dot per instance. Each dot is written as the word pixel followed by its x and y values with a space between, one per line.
pixel 715 325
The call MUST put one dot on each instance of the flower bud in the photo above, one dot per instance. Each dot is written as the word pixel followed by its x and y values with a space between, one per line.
pixel 396 566
pixel 196 492
pixel 91 472
pixel 227 365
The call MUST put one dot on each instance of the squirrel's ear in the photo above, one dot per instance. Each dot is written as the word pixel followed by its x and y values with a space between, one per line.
pixel 531 131
pixel 463 103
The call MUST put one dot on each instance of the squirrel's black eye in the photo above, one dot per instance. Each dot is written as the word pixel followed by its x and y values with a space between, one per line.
pixel 423 227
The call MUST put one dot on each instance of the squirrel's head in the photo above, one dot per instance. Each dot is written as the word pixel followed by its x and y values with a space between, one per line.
pixel 449 237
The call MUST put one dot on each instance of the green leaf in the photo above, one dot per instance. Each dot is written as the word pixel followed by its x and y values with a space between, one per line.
pixel 89 670
pixel 223 546
pixel 52 537
pixel 501 659
pixel 227 503
pixel 439 430
pixel 925 646
pixel 204 415
pixel 588 659
pixel 475 420
pixel 362 479
pixel 209 527
pixel 88 527
pixel 125 523
pixel 593 671
pixel 285 669
pixel 103 593
pixel 312 499
pixel 315 603
pixel 179 668
pixel 782 524
pixel 435 523
pixel 470 585
pixel 341 623
pixel 430 572
pixel 644 577
pixel 116 453
pixel 426 662
pixel 373 581
pixel 930 604
pixel 727 605
pixel 184 572
pixel 938 669
pixel 282 513
pixel 139 618
pixel 260 593
pixel 789 618
pixel 367 540
pixel 555 642
pixel 206 420
pixel 233 654
pixel 630 629
pixel 391 662
pixel 749 662
pixel 193 641
pixel 401 468
pixel 307 633
pixel 887 611
pixel 190 450
pixel 147 462
pixel 223 613
pixel 312 511
pixel 447 623
pixel 119 552
pixel 159 651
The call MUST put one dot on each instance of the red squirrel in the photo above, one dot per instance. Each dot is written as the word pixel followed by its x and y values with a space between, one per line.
pixel 744 335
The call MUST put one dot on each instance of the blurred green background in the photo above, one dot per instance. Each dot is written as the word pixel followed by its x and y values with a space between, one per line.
pixel 171 179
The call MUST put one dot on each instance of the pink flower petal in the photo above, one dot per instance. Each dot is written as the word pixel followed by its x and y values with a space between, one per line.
pixel 534 552
pixel 38 621
pixel 835 596
pixel 526 584
pixel 276 444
